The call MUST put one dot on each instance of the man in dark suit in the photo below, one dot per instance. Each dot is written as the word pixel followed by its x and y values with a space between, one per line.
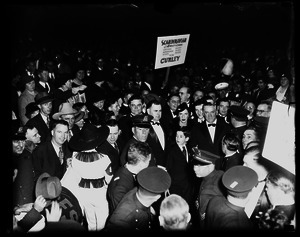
pixel 42 121
pixel 157 137
pixel 43 84
pixel 140 128
pixel 51 156
pixel 67 113
pixel 208 135
pixel 230 147
pixel 113 145
pixel 133 213
pixel 139 155
pixel 125 122
pixel 239 120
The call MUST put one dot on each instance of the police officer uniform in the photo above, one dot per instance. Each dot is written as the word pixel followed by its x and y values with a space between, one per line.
pixel 221 214
pixel 131 214
pixel 211 185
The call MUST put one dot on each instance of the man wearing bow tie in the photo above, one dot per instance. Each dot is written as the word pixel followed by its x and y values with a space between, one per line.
pixel 157 137
pixel 208 135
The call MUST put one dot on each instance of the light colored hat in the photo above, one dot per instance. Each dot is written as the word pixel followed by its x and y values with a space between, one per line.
pixel 48 186
pixel 66 108
pixel 221 86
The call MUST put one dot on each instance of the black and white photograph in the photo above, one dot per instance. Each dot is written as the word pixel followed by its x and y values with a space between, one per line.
pixel 159 117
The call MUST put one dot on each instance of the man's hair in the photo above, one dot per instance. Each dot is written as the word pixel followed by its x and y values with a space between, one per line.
pixel 186 131
pixel 266 102
pixel 231 141
pixel 112 122
pixel 136 97
pixel 283 180
pixel 174 210
pixel 138 151
pixel 153 102
pixel 55 122
pixel 26 127
pixel 171 95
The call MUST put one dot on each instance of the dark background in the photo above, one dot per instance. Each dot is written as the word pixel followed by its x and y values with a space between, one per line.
pixel 135 26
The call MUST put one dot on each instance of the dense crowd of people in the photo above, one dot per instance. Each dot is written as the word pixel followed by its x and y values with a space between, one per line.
pixel 103 142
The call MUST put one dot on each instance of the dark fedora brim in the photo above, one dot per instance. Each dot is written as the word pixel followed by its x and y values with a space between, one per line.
pixel 44 100
pixel 79 116
pixel 80 143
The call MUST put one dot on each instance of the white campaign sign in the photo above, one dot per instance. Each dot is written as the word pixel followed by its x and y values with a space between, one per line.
pixel 171 50
pixel 279 145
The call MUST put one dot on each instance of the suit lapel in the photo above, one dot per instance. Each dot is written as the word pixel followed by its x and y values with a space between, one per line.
pixel 205 131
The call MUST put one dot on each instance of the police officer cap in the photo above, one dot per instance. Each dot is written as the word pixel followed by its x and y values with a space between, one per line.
pixel 202 157
pixel 221 86
pixel 142 120
pixel 239 180
pixel 154 179
pixel 239 112
pixel 234 97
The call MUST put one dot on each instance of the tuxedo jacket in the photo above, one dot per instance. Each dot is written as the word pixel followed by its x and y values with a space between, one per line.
pixel 200 136
pixel 45 159
pixel 157 150
pixel 38 122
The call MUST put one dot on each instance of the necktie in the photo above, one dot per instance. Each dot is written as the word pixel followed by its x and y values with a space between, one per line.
pixel 116 147
pixel 69 135
pixel 211 124
pixel 184 151
pixel 61 155
pixel 47 87
pixel 48 121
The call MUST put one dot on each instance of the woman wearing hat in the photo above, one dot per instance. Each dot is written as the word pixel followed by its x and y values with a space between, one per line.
pixel 91 172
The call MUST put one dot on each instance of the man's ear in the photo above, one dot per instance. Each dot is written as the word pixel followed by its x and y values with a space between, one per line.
pixel 161 221
pixel 187 138
pixel 188 218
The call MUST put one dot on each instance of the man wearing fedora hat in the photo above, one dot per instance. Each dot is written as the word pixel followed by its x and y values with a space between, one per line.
pixel 140 129
pixel 135 103
pixel 67 113
pixel 31 110
pixel 228 213
pixel 135 212
pixel 23 184
pixel 42 121
pixel 26 97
